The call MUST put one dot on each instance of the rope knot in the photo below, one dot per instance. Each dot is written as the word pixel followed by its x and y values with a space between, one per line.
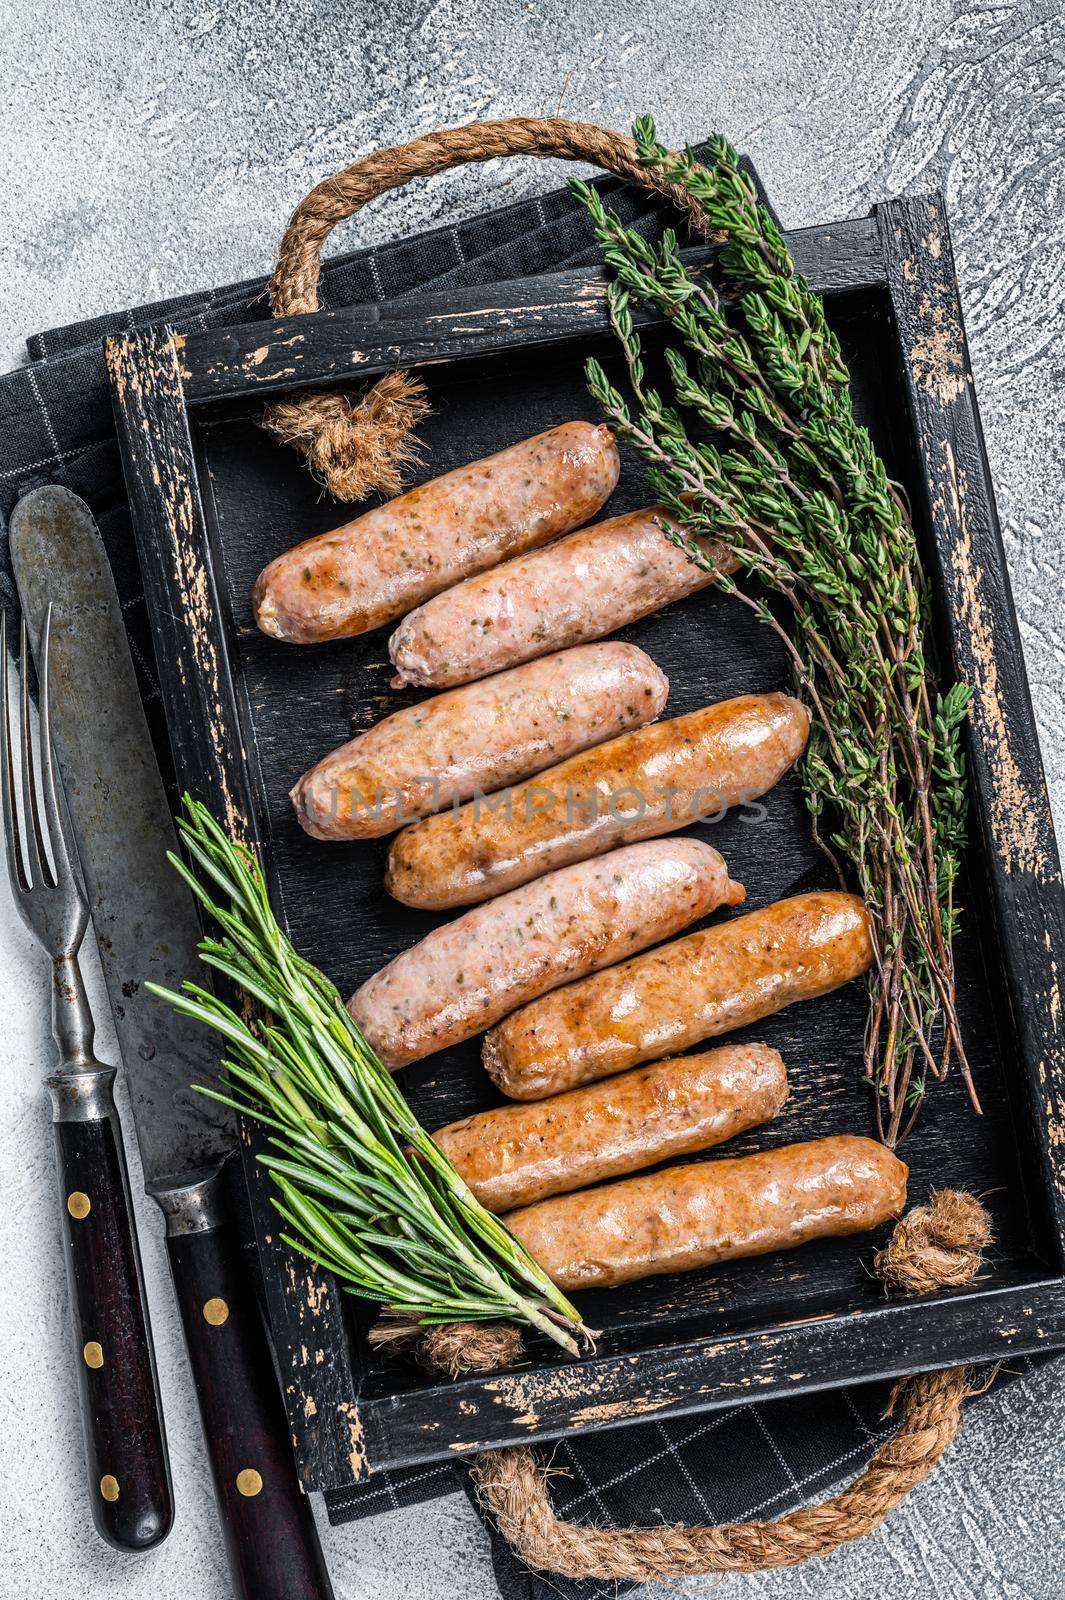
pixel 937 1246
pixel 356 445
pixel 452 1348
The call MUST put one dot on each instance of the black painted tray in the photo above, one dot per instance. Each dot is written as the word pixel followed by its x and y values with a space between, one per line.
pixel 213 498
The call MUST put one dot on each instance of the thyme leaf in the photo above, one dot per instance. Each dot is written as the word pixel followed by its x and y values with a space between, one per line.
pixel 755 453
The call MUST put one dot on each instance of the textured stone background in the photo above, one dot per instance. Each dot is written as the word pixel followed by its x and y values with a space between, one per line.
pixel 148 146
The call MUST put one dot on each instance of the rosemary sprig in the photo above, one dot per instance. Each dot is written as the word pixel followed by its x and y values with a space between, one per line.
pixel 756 448
pixel 363 1188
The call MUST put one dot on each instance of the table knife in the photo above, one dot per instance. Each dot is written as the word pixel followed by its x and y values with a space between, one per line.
pixel 147 928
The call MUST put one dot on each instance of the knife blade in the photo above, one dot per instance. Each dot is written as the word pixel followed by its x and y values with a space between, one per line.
pixel 147 928
pixel 145 920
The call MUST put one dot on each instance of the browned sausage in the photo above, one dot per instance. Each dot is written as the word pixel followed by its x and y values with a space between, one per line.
pixel 479 738
pixel 464 976
pixel 516 1155
pixel 372 570
pixel 669 999
pixel 712 1211
pixel 638 786
pixel 581 588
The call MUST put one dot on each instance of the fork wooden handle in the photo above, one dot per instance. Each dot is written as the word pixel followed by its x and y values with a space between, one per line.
pixel 125 1448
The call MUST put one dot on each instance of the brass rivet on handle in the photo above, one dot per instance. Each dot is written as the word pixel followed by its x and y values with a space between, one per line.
pixel 109 1487
pixel 79 1205
pixel 215 1311
pixel 249 1483
pixel 93 1353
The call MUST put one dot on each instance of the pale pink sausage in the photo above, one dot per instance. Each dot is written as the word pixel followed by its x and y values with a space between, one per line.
pixel 475 740
pixel 372 570
pixel 464 976
pixel 581 588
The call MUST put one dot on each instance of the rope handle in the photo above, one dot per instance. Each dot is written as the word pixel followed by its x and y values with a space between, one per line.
pixel 512 1486
pixel 933 1247
pixel 294 287
pixel 359 444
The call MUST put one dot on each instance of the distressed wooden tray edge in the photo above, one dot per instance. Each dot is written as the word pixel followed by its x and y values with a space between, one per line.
pixel 904 248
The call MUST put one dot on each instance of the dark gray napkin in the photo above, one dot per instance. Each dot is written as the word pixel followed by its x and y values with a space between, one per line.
pixel 56 427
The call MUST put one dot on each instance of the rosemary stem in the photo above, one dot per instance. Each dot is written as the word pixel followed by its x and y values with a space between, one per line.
pixel 364 1190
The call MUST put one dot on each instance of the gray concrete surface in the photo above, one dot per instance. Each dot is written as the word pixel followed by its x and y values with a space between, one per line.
pixel 148 146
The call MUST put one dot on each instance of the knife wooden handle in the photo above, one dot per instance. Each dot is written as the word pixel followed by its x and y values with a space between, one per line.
pixel 125 1447
pixel 270 1536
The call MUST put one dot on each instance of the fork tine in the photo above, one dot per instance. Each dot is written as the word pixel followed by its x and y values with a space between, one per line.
pixel 36 850
pixel 12 837
pixel 54 816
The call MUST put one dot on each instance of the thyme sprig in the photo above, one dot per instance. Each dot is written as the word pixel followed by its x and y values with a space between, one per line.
pixel 756 452
pixel 363 1188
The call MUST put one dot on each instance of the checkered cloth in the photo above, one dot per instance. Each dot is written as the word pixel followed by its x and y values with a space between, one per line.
pixel 751 1461
pixel 55 426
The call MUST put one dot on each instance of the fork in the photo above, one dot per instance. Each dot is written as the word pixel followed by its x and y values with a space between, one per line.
pixel 125 1446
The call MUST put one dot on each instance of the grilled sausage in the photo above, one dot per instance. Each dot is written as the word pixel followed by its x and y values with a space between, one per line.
pixel 670 999
pixel 372 570
pixel 581 588
pixel 713 1211
pixel 464 976
pixel 516 1155
pixel 474 740
pixel 638 786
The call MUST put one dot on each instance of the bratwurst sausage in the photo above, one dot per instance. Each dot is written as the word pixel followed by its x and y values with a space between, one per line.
pixel 669 999
pixel 581 588
pixel 469 973
pixel 638 786
pixel 478 739
pixel 712 1211
pixel 372 570
pixel 516 1155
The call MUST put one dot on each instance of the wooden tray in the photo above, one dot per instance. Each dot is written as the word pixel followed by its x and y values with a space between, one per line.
pixel 213 498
